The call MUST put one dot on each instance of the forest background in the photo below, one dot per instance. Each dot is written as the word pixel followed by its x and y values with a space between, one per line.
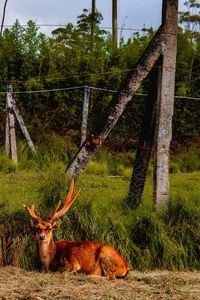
pixel 71 58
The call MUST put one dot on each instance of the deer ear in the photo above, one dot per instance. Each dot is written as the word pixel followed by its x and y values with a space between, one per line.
pixel 56 224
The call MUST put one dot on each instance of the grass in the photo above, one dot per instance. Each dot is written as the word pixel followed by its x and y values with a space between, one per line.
pixel 18 188
pixel 145 238
pixel 18 284
pixel 163 285
pixel 164 239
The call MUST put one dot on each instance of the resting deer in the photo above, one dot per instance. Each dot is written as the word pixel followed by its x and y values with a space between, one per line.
pixel 89 257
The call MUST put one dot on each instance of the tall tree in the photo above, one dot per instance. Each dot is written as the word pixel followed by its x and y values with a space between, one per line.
pixel 191 17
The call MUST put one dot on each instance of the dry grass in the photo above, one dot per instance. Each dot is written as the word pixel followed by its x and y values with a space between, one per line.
pixel 18 284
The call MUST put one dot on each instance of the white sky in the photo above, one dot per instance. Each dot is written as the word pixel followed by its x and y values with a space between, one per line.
pixel 131 13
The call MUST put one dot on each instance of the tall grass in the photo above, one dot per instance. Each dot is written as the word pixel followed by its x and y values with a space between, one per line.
pixel 148 239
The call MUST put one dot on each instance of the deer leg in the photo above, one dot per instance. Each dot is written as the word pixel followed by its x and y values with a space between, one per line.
pixel 107 268
pixel 71 265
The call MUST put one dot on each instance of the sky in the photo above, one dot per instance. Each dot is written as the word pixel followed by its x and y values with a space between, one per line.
pixel 134 14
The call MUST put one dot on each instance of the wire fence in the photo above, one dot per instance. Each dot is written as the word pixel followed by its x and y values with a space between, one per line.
pixel 101 27
pixel 94 88
pixel 66 78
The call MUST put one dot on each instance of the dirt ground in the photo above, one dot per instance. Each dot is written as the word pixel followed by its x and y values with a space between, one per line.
pixel 18 284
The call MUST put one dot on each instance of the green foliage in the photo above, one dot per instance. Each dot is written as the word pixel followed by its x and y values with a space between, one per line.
pixel 6 164
pixel 71 57
pixel 186 161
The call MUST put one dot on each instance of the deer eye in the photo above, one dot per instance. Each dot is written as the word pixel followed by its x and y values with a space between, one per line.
pixel 48 229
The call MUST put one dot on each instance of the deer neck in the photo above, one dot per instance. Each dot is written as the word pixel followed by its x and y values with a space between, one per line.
pixel 46 253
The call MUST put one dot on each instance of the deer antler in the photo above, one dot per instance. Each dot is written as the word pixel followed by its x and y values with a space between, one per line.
pixel 31 212
pixel 69 200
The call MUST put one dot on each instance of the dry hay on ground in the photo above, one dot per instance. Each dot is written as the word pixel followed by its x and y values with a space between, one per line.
pixel 18 284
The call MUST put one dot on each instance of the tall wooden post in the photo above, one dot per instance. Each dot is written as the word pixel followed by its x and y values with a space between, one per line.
pixel 7 138
pixel 165 105
pixel 114 24
pixel 85 114
pixel 10 126
pixel 93 21
pixel 146 142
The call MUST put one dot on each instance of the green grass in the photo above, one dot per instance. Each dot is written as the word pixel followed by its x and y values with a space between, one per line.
pixel 146 238
pixel 18 188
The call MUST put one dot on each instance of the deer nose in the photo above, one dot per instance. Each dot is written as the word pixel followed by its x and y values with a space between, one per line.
pixel 42 237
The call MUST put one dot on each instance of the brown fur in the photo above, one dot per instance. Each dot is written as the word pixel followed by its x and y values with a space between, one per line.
pixel 89 257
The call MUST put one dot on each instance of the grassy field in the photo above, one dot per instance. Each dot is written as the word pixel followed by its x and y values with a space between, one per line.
pixel 152 241
pixel 147 239
pixel 104 191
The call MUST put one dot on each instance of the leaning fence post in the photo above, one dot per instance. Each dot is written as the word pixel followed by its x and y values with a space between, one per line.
pixel 23 127
pixel 7 133
pixel 85 114
pixel 10 127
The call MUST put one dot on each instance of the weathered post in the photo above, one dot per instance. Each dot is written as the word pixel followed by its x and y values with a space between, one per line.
pixel 23 127
pixel 146 142
pixel 85 114
pixel 166 84
pixel 114 24
pixel 11 125
pixel 93 21
pixel 7 133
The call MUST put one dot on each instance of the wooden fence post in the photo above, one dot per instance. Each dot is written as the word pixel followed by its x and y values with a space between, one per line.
pixel 93 22
pixel 85 114
pixel 146 142
pixel 114 24
pixel 165 105
pixel 23 127
pixel 7 133
pixel 10 126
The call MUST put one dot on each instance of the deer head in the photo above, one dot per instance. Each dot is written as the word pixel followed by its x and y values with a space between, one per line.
pixel 44 227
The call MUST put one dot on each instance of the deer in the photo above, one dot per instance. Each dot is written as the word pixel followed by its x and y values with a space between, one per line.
pixel 90 257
